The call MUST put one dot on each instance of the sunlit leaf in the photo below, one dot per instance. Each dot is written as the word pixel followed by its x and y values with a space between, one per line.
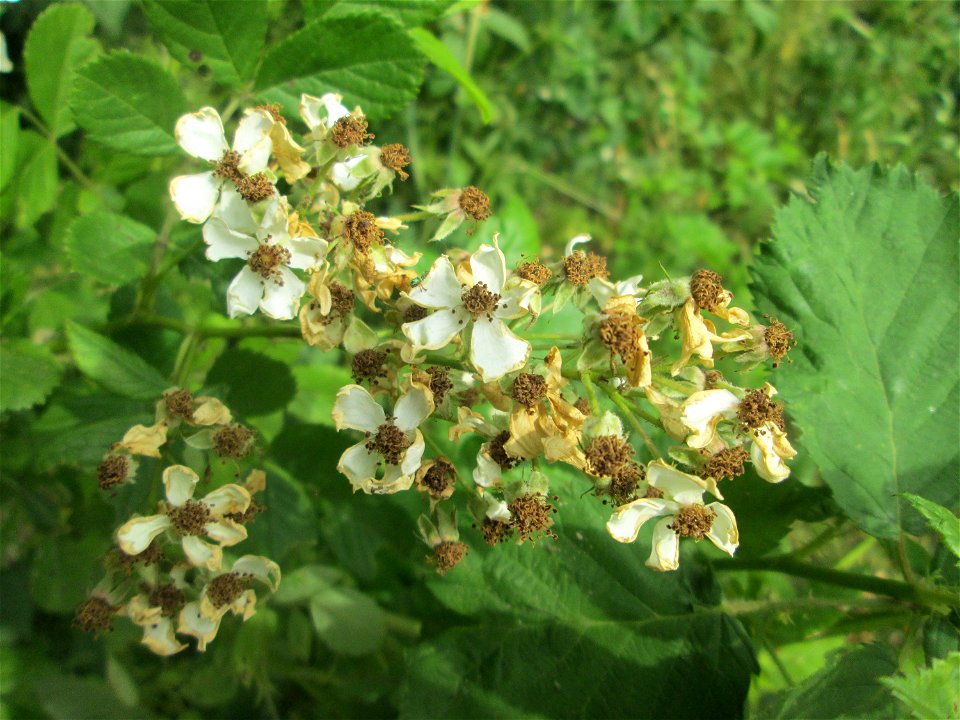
pixel 113 366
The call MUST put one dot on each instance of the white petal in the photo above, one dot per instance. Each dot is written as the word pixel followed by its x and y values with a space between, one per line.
pixel 307 252
pixel 200 553
pixel 489 266
pixel 487 473
pixel 226 532
pixel 437 330
pixel 342 173
pixel 282 300
pixel 413 457
pixel 223 243
pixel 574 241
pixel 263 569
pixel 703 410
pixel 665 553
pixel 179 482
pixel 244 293
pixel 440 288
pixel 766 460
pixel 359 465
pixel 159 638
pixel 394 480
pixel 135 536
pixel 723 533
pixel 676 485
pixel 193 622
pixel 234 211
pixel 230 498
pixel 201 134
pixel 252 140
pixel 495 350
pixel 195 196
pixel 334 108
pixel 515 300
pixel 625 522
pixel 356 409
pixel 413 407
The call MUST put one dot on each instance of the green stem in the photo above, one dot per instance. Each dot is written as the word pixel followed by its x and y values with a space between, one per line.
pixel 206 331
pixel 587 381
pixel 625 408
pixel 906 592
pixel 65 159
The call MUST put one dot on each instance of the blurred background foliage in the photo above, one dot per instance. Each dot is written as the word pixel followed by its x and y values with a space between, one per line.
pixel 670 131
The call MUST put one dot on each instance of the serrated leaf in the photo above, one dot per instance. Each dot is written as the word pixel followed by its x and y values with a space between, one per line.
pixel 254 384
pixel 113 366
pixel 409 13
pixel 29 374
pixel 558 627
pixel 225 36
pixel 440 55
pixel 109 247
pixel 370 60
pixel 866 277
pixel 942 520
pixel 36 178
pixel 930 692
pixel 128 103
pixel 57 45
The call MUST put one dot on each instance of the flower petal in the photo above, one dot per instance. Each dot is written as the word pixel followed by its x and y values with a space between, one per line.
pixel 252 140
pixel 356 409
pixel 244 293
pixel 234 211
pixel 495 350
pixel 193 622
pixel 723 533
pixel 195 196
pixel 489 267
pixel 703 411
pixel 437 330
pixel 179 482
pixel 224 243
pixel 413 457
pixel 665 552
pixel 413 407
pixel 685 489
pixel 160 640
pixel 200 553
pixel 142 440
pixel 625 522
pixel 487 473
pixel 281 300
pixel 359 465
pixel 135 536
pixel 770 448
pixel 201 134
pixel 229 498
pixel 440 288
pixel 210 411
pixel 226 532
pixel 394 480
pixel 263 569
pixel 307 252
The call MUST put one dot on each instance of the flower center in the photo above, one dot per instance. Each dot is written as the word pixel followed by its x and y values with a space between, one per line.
pixel 693 521
pixel 350 130
pixel 478 300
pixel 779 340
pixel 580 267
pixel 274 110
pixel 529 389
pixel 152 555
pixel 396 157
pixel 447 555
pixel 233 441
pixel 224 589
pixel 179 404
pixel 253 509
pixel 726 463
pixel 440 383
pixel 341 300
pixel 368 365
pixel 532 515
pixel 606 454
pixel 266 260
pixel 498 454
pixel 190 518
pixel 534 272
pixel 757 408
pixel 254 188
pixel 112 471
pixel 706 287
pixel 440 477
pixel 653 492
pixel 624 482
pixel 414 313
pixel 475 203
pixel 621 334
pixel 495 531
pixel 361 229
pixel 168 598
pixel 95 615
pixel 228 167
pixel 391 442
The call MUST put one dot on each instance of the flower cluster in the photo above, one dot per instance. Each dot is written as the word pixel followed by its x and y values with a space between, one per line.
pixel 169 572
pixel 454 344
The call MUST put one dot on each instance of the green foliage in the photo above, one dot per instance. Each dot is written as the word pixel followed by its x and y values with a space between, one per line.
pixel 128 103
pixel 370 60
pixel 860 270
pixel 930 692
pixel 254 383
pixel 112 248
pixel 30 374
pixel 114 367
pixel 441 56
pixel 409 13
pixel 943 521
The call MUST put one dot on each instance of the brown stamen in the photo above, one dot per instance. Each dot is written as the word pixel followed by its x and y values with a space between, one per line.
pixel 179 404
pixel 531 517
pixel 529 389
pixel 95 615
pixel 621 334
pixel 447 555
pixel 440 383
pixel 498 454
pixel 606 454
pixel 653 492
pixel 255 188
pixel 534 272
pixel 779 340
pixel 224 589
pixel 267 259
pixel 475 203
pixel 496 531
pixel 122 561
pixel 726 463
pixel 693 521
pixel 274 110
pixel 624 482
pixel 189 518
pixel 112 471
pixel 583 405
pixel 341 302
pixel 361 229
pixel 757 408
pixel 350 130
pixel 368 365
pixel 580 267
pixel 248 515
pixel 441 476
pixel 233 441
pixel 706 288
pixel 478 300
pixel 169 598
pixel 228 167
pixel 391 442
pixel 414 313
pixel 396 157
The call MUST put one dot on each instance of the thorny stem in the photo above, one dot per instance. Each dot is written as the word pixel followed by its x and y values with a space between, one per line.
pixel 903 591
pixel 625 408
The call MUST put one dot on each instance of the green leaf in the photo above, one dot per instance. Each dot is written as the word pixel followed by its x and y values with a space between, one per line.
pixel 254 383
pixel 112 366
pixel 579 627
pixel 370 60
pixel 226 36
pixel 866 277
pixel 347 621
pixel 850 688
pixel 930 692
pixel 409 13
pixel 36 178
pixel 56 46
pixel 942 520
pixel 440 55
pixel 9 137
pixel 289 521
pixel 109 247
pixel 128 103
pixel 30 374
pixel 73 697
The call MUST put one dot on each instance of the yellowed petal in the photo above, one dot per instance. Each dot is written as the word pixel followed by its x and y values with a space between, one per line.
pixel 143 440
pixel 210 411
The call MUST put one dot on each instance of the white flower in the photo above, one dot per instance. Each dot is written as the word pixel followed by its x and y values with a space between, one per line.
pixel 395 440
pixel 266 280
pixel 683 513
pixel 190 519
pixel 201 134
pixel 322 112
pixel 769 450
pixel 484 301
pixel 702 412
